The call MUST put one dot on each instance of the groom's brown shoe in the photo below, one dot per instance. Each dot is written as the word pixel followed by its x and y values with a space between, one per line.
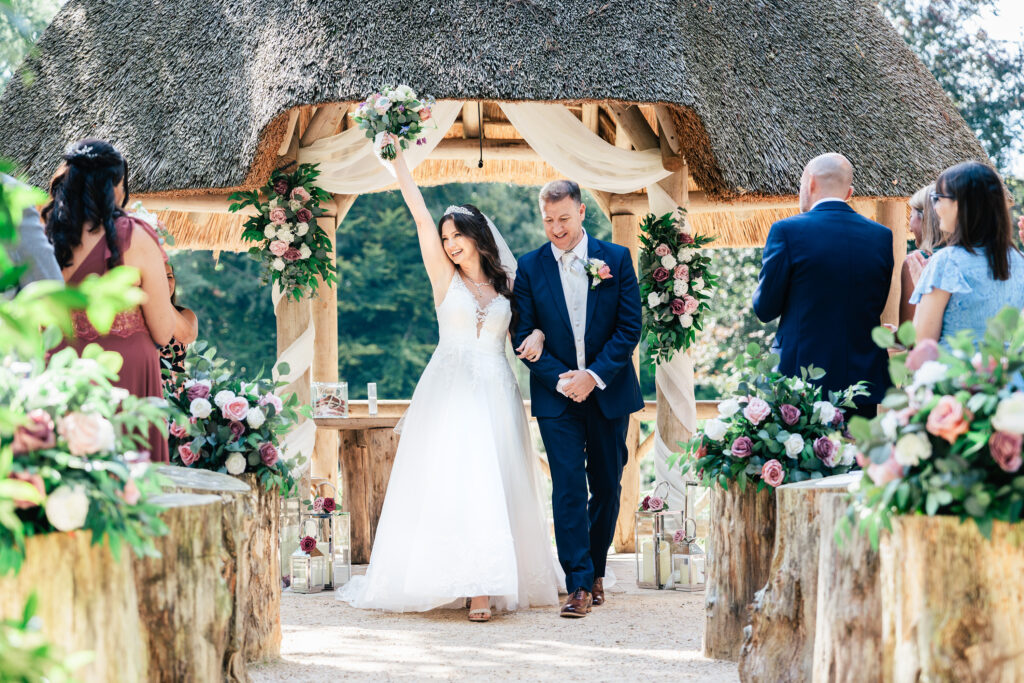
pixel 598 591
pixel 578 605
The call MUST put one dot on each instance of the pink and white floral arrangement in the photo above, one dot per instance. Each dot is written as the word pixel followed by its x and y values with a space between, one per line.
pixel 397 112
pixel 675 284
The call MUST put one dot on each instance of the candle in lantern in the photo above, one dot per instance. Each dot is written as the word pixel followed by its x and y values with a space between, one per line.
pixel 647 561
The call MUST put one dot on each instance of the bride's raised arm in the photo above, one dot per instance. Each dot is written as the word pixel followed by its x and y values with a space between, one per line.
pixel 439 267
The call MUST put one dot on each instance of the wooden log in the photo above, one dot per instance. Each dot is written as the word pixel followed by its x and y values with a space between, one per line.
pixel 325 123
pixel 471 120
pixel 87 601
pixel 739 557
pixel 589 116
pixel 191 597
pixel 953 601
pixel 263 613
pixel 892 213
pixel 366 460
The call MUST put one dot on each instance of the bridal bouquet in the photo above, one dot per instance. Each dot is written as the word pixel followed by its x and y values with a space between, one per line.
pixel 950 442
pixel 293 249
pixel 675 284
pixel 228 425
pixel 398 111
pixel 777 430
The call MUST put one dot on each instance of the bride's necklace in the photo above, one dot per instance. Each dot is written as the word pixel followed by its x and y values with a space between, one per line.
pixel 479 286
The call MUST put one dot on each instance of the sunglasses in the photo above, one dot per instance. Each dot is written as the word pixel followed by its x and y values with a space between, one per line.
pixel 938 195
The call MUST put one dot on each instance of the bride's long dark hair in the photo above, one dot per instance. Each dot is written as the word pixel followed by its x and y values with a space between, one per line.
pixel 82 191
pixel 475 228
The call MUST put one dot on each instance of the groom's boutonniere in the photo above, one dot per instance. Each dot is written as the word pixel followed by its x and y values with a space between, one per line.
pixel 597 270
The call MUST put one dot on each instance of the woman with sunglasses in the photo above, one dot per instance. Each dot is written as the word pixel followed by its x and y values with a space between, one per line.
pixel 980 271
pixel 924 225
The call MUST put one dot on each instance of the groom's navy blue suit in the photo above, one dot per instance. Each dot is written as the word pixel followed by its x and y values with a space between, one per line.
pixel 826 273
pixel 585 442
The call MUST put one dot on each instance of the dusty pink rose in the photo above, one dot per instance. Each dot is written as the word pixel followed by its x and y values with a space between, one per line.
pixel 36 435
pixel 300 194
pixel 197 391
pixel 825 449
pixel 131 493
pixel 681 272
pixel 662 250
pixel 882 474
pixel 278 247
pixel 33 479
pixel 691 304
pixel 425 114
pixel 924 350
pixel 685 238
pixel 646 503
pixel 278 216
pixel 678 306
pixel 790 413
pixel 742 447
pixel 269 454
pixel 274 400
pixel 773 473
pixel 839 417
pixel 177 431
pixel 604 272
pixel 87 433
pixel 946 420
pixel 757 410
pixel 318 504
pixel 993 363
pixel 281 186
pixel 303 215
pixel 660 274
pixel 237 429
pixel 187 455
pixel 235 409
pixel 1005 449
pixel 656 503
pixel 292 254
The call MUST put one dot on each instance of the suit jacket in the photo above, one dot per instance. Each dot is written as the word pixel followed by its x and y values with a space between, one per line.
pixel 826 273
pixel 612 329
pixel 33 248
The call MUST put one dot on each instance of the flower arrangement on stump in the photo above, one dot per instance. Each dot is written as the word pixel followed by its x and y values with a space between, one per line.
pixel 293 249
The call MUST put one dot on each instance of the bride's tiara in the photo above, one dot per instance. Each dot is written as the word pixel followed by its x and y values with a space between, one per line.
pixel 457 209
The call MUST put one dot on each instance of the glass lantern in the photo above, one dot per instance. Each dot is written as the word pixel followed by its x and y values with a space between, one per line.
pixel 688 559
pixel 667 555
pixel 333 534
pixel 330 399
pixel 309 570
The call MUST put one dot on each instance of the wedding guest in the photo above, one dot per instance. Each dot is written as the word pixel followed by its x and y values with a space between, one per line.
pixel 32 249
pixel 980 271
pixel 91 233
pixel 924 225
pixel 826 274
pixel 172 354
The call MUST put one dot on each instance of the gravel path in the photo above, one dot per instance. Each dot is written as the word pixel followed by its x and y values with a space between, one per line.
pixel 637 635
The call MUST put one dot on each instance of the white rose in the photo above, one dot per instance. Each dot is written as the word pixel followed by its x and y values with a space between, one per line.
pixel 679 287
pixel 848 455
pixel 295 205
pixel 797 384
pixel 200 408
pixel 912 449
pixel 728 407
pixel 304 252
pixel 794 445
pixel 826 412
pixel 653 299
pixel 1009 415
pixel 715 429
pixel 698 284
pixel 668 261
pixel 890 423
pixel 255 417
pixel 189 383
pixel 274 203
pixel 270 231
pixel 278 264
pixel 686 320
pixel 67 507
pixel 930 372
pixel 286 235
pixel 223 397
pixel 301 229
pixel 235 463
pixel 685 255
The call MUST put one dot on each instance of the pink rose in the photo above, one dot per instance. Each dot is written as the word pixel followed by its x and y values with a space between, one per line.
pixel 691 304
pixel 87 433
pixel 278 247
pixel 303 215
pixel 993 363
pixel 662 250
pixel 197 391
pixel 825 449
pixel 685 238
pixel 790 414
pixel 425 114
pixel 187 455
pixel 1005 449
pixel 273 400
pixel 656 503
pixel 682 272
pixel 36 435
pixel 318 504
pixel 604 272
pixel 660 274
pixel 236 409
pixel 300 194
pixel 131 493
pixel 33 479
pixel 278 216
pixel 237 429
pixel 269 454
pixel 772 473
pixel 177 431
pixel 946 420
pixel 925 350
pixel 839 417
pixel 742 447
pixel 678 306
pixel 292 254
pixel 881 475
pixel 757 410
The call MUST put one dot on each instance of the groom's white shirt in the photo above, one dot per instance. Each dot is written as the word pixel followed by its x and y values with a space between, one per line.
pixel 827 199
pixel 574 288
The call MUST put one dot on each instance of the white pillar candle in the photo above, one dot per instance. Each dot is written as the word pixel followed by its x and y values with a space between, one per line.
pixel 647 561
pixel 371 396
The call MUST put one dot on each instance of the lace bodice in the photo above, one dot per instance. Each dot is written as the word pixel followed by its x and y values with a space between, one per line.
pixel 462 322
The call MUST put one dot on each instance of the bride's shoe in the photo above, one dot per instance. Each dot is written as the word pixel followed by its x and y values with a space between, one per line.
pixel 480 613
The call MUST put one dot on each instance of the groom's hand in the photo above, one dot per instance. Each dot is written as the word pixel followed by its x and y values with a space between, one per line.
pixel 580 384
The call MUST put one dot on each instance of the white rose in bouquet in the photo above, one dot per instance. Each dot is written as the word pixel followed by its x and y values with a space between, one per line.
pixel 278 264
pixel 797 384
pixel 728 407
pixel 255 417
pixel 680 288
pixel 294 204
pixel 698 284
pixel 223 397
pixel 890 423
pixel 668 261
pixel 235 463
pixel 304 252
pixel 848 455
pixel 686 320
pixel 1009 415
pixel 87 433
pixel 794 445
pixel 67 507
pixel 270 231
pixel 275 203
pixel 715 429
pixel 685 255
pixel 200 408
pixel 825 411
pixel 301 229
pixel 286 235
pixel 912 448
pixel 930 372
pixel 653 300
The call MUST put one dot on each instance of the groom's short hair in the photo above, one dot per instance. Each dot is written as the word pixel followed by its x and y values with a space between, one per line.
pixel 558 190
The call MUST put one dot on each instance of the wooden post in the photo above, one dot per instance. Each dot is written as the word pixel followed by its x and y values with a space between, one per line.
pixel 590 116
pixel 367 457
pixel 892 213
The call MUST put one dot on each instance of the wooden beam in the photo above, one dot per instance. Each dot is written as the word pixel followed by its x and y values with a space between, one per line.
pixel 471 120
pixel 216 202
pixel 636 204
pixel 325 122
pixel 453 149
pixel 667 126
pixel 892 213
pixel 603 200
pixel 632 121
pixel 286 142
pixel 590 116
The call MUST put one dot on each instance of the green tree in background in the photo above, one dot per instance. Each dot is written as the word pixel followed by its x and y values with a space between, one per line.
pixel 22 22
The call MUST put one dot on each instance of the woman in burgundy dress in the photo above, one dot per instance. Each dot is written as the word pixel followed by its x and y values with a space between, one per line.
pixel 91 233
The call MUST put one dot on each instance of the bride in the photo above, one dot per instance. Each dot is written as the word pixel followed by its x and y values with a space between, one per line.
pixel 462 515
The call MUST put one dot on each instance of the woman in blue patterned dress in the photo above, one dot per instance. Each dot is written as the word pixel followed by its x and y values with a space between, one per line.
pixel 980 272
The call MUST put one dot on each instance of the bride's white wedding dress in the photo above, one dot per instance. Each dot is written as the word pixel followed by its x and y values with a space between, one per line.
pixel 462 516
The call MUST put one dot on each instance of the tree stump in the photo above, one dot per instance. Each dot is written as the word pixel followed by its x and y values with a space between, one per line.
pixel 87 601
pixel 954 601
pixel 739 556
pixel 366 460
pixel 263 618
pixel 190 596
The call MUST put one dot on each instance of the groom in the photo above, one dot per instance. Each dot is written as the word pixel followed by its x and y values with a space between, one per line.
pixel 583 385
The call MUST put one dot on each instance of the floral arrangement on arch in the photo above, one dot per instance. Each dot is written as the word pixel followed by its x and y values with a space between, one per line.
pixel 290 245
pixel 950 440
pixel 776 430
pixel 675 284
pixel 225 424
pixel 397 112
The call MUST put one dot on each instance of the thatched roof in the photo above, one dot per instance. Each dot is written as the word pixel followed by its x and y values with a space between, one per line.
pixel 197 92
